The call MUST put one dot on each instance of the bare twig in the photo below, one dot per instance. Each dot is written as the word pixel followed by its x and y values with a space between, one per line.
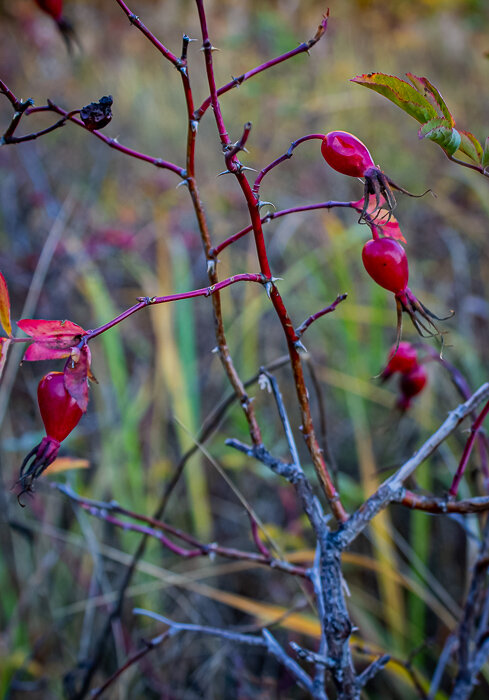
pixel 300 330
pixel 265 640
pixel 392 488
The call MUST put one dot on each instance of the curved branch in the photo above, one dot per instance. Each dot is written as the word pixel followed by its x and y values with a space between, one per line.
pixel 236 82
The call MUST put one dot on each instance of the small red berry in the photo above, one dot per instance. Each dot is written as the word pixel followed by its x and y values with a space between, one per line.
pixel 346 154
pixel 59 410
pixel 386 262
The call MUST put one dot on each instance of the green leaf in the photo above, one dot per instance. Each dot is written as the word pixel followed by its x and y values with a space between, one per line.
pixel 441 132
pixel 485 155
pixel 404 95
pixel 471 146
pixel 431 93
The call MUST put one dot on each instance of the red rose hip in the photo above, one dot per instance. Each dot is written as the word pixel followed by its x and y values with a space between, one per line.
pixel 53 8
pixel 402 358
pixel 411 385
pixel 386 262
pixel 346 154
pixel 60 412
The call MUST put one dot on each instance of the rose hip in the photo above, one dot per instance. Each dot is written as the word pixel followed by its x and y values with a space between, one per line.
pixel 346 154
pixel 60 414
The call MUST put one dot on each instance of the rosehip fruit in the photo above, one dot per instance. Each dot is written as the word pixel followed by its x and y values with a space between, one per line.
pixel 403 359
pixel 411 385
pixel 349 156
pixel 346 154
pixel 60 414
pixel 53 8
pixel 386 262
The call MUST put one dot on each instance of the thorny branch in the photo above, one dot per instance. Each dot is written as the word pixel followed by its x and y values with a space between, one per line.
pixel 334 653
pixel 153 528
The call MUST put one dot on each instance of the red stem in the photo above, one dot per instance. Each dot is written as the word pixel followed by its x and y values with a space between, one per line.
pixel 112 143
pixel 264 551
pixel 441 506
pixel 235 167
pixel 9 95
pixel 302 48
pixel 467 450
pixel 281 159
pixel 144 530
pixel 106 511
pixel 314 317
pixel 149 301
pixel 214 252
pixel 134 19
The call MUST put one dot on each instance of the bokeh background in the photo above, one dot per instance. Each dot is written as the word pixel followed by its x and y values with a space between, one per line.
pixel 85 230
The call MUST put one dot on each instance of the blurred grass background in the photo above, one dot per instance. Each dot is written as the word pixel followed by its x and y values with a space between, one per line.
pixel 131 233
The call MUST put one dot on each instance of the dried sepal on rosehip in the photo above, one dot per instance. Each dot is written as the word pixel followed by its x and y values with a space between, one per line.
pixel 346 154
pixel 386 262
pixel 60 414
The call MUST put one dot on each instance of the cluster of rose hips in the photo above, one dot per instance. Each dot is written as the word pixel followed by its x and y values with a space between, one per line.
pixel 404 360
pixel 383 257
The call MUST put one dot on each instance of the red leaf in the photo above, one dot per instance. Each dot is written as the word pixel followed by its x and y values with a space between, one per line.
pixel 391 229
pixel 52 339
pixel 77 371
pixel 386 225
pixel 43 351
pixel 5 306
pixel 41 328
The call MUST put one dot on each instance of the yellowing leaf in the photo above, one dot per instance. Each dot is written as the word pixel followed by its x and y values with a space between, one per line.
pixel 431 93
pixel 65 464
pixel 401 93
pixel 5 306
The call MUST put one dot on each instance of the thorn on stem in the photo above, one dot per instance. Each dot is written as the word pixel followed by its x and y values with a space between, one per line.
pixel 265 204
